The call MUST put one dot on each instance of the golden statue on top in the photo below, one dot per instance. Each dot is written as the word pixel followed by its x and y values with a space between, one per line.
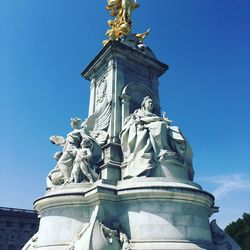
pixel 121 25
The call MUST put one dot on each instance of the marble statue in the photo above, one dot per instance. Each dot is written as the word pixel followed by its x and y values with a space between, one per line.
pixel 124 177
pixel 70 146
pixel 97 236
pixel 55 176
pixel 79 158
pixel 82 162
pixel 221 240
pixel 124 240
pixel 148 140
pixel 115 235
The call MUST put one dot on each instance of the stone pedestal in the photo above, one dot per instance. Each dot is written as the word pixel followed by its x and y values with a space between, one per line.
pixel 69 215
pixel 155 213
pixel 111 169
pixel 166 209
pixel 122 75
pixel 163 214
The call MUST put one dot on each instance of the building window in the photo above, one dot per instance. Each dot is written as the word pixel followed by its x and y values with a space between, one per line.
pixel 13 235
pixel 1 234
pixel 21 225
pixel 8 223
pixel 11 247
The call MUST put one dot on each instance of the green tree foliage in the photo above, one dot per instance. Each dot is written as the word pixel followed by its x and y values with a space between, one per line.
pixel 240 231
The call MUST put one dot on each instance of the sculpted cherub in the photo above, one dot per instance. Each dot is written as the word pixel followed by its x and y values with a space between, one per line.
pixel 81 152
pixel 82 162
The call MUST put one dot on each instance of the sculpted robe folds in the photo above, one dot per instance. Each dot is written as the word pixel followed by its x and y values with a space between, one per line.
pixel 149 142
pixel 144 141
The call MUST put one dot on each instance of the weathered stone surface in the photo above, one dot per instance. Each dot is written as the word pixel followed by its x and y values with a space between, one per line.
pixel 139 194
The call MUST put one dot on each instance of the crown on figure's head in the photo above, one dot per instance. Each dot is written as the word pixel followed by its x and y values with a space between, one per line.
pixel 145 99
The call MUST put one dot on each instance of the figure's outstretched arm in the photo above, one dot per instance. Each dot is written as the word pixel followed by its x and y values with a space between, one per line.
pixel 57 140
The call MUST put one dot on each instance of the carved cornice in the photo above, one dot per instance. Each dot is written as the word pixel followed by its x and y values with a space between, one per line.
pixel 115 48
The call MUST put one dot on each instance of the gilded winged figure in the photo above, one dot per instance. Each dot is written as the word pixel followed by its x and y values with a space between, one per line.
pixel 121 25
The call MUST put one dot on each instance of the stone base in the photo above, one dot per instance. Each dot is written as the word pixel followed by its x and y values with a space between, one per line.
pixel 154 213
pixel 154 210
pixel 172 245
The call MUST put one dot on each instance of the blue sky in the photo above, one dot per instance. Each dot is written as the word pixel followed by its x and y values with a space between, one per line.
pixel 44 46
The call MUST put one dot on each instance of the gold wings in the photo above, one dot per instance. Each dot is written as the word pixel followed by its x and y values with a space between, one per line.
pixel 121 25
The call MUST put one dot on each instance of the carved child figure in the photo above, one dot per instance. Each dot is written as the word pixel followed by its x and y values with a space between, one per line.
pixel 81 162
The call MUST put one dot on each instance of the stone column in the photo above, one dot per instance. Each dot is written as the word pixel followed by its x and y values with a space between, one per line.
pixel 125 100
pixel 92 96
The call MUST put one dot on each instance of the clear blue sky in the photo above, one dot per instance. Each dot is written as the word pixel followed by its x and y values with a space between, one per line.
pixel 44 46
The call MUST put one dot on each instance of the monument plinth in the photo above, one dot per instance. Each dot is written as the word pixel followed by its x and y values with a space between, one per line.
pixel 124 178
pixel 120 77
